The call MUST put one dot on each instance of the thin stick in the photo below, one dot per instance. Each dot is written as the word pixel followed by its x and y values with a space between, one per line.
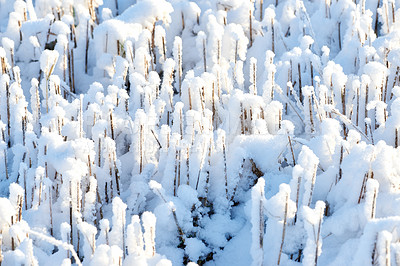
pixel 251 29
pixel 284 227
pixel 87 46
pixel 291 149
pixel 225 168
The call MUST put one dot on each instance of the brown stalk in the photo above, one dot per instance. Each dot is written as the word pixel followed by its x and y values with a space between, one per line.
pixel 87 46
pixel 251 28
pixel 284 227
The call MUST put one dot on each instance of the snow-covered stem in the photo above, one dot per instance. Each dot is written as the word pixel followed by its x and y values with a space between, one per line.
pixel 57 243
pixel 225 166
pixel 257 221
pixel 313 224
pixel 251 27
pixel 284 227
pixel 178 61
pixel 158 190
pixel 273 35
pixel 87 46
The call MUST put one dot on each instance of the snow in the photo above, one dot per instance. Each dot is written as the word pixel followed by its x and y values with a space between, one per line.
pixel 213 132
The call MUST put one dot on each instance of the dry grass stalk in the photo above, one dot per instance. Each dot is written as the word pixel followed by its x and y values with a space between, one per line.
pixel 291 150
pixel 300 86
pixel 187 165
pixel 8 115
pixel 70 213
pixel 273 35
pixel 5 154
pixel 112 125
pixel 318 236
pixel 312 184
pixel 251 28
pixel 225 167
pixel 141 148
pixel 369 174
pixel 297 196
pixel 87 46
pixel 51 212
pixel 373 210
pixel 72 69
pixel 116 7
pixel 204 55
pixel 284 227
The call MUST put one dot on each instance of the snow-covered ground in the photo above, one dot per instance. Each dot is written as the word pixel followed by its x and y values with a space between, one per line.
pixel 212 132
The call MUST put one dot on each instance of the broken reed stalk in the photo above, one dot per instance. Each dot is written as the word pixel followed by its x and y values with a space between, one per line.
pixel 112 125
pixel 358 105
pixel 374 204
pixel 25 193
pixel 176 169
pixel 327 8
pixel 1 247
pixel 273 35
pixel 116 175
pixel 116 7
pixel 311 113
pixel 87 46
pixel 204 55
pixel 179 168
pixel 297 197
pixel 51 212
pixel 202 158
pixel 71 238
pixel 254 77
pixel 291 150
pixel 365 108
pixel 284 227
pixel 386 15
pixel 370 131
pixel 141 141
pixel 343 98
pixel 153 46
pixel 173 210
pixel 206 187
pixel 385 89
pixel 339 36
pixel 8 115
pixel 312 184
pixel 242 117
pixel 214 116
pixel 5 154
pixel 300 86
pixel 318 236
pixel 180 69
pixel 340 163
pixel 261 222
pixel 368 175
pixel 251 28
pixel 12 58
pixel 72 71
pixel 393 13
pixel 12 238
